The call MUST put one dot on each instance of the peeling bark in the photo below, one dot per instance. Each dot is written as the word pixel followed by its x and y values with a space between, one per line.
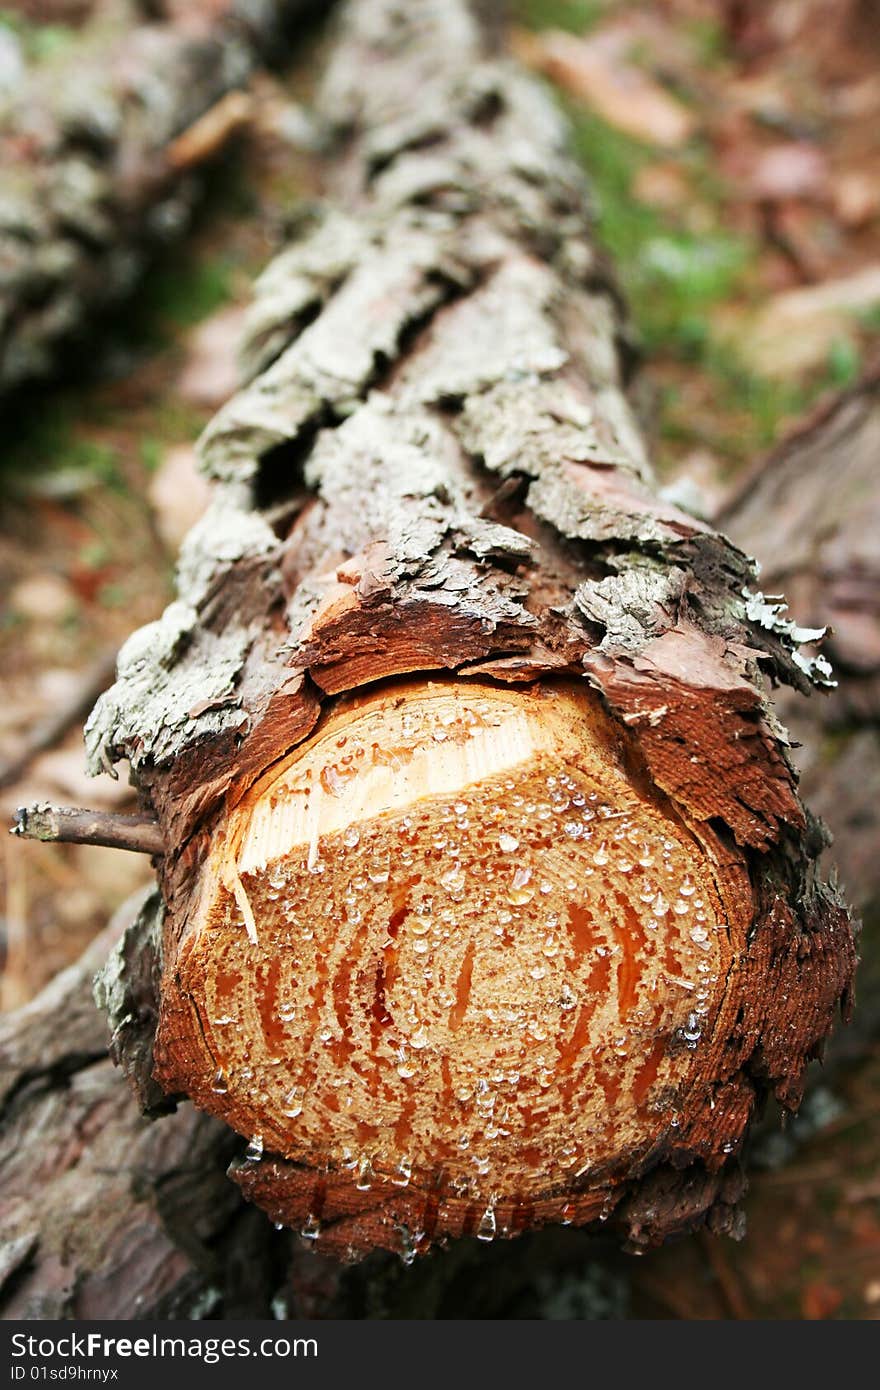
pixel 99 145
pixel 435 469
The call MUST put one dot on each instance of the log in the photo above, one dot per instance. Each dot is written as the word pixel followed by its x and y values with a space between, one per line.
pixel 103 1214
pixel 107 1216
pixel 489 898
pixel 99 148
pixel 820 545
pixel 55 1083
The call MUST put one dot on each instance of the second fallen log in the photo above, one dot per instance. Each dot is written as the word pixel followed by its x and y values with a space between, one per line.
pixel 490 900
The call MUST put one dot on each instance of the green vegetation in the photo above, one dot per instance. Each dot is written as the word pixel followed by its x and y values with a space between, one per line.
pixel 50 453
pixel 39 41
pixel 674 277
pixel 178 292
pixel 844 363
pixel 708 37
pixel 577 16
pixel 680 265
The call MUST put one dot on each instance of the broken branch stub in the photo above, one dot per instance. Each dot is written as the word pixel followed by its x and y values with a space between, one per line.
pixel 489 897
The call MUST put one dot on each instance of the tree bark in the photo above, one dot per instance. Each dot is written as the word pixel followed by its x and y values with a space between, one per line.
pixel 811 514
pixel 527 937
pixel 103 1214
pixel 98 148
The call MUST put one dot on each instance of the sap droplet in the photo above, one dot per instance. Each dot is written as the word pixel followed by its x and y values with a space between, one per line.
pixel 254 1150
pixel 220 1084
pixel 364 1175
pixel 508 844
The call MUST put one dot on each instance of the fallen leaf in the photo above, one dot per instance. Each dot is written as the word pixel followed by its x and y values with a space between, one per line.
pixel 796 169
pixel 856 198
pixel 820 1300
pixel 597 72
pixel 796 330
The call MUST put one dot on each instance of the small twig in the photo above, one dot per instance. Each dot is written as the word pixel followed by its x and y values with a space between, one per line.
pixel 207 135
pixel 14 980
pixel 140 834
pixel 49 731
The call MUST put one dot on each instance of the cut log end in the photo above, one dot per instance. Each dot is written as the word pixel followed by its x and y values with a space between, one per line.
pixel 452 945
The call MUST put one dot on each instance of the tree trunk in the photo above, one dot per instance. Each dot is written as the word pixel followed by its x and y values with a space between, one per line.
pixel 489 897
pixel 74 1243
pixel 98 145
pixel 819 543
pixel 103 1214
pixel 106 1216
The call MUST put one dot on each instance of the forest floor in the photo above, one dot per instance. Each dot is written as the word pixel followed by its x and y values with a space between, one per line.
pixel 733 155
